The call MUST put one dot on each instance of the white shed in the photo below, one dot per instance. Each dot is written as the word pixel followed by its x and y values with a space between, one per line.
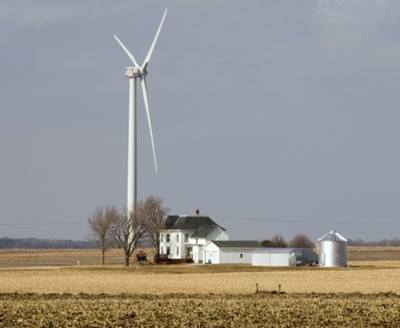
pixel 282 257
pixel 229 251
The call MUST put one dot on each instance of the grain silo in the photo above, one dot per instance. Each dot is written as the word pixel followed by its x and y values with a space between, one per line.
pixel 332 250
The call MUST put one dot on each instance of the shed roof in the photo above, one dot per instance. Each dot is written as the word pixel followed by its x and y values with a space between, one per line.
pixel 276 250
pixel 281 250
pixel 332 236
pixel 237 243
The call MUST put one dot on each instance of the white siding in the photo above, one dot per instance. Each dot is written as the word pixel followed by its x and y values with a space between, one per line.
pixel 216 255
pixel 211 253
pixel 175 244
pixel 197 249
pixel 197 241
pixel 233 255
pixel 261 259
pixel 197 254
pixel 280 259
pixel 211 257
pixel 271 259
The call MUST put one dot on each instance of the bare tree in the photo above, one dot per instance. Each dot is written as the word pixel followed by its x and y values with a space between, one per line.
pixel 302 241
pixel 100 223
pixel 128 230
pixel 278 241
pixel 154 215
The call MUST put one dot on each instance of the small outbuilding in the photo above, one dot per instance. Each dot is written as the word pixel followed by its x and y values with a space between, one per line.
pixel 283 257
pixel 229 251
pixel 332 250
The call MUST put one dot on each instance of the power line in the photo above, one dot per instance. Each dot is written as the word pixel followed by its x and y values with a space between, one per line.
pixel 261 219
pixel 327 220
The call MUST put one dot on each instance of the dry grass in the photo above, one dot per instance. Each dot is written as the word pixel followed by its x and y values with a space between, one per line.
pixel 195 295
pixel 374 253
pixel 60 257
pixel 195 279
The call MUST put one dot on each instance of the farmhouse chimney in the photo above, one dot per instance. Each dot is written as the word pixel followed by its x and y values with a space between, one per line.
pixel 197 212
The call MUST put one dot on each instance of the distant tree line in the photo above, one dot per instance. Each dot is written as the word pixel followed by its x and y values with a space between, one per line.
pixel 38 243
pixel 31 243
pixel 300 240
pixel 383 242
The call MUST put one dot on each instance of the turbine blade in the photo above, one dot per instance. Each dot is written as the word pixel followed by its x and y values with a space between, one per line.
pixel 127 51
pixel 148 56
pixel 146 105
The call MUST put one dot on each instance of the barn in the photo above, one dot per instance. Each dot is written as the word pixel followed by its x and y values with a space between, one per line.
pixel 229 251
pixel 283 257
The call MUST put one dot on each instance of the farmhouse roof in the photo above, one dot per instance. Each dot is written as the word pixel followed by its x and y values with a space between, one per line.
pixel 203 231
pixel 237 243
pixel 202 225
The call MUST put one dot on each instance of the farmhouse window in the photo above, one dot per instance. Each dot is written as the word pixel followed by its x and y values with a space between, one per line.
pixel 241 255
pixel 167 250
pixel 167 237
pixel 186 237
pixel 177 251
pixel 177 237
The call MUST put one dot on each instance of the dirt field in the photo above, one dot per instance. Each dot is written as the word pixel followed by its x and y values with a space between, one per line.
pixel 255 310
pixel 56 257
pixel 48 289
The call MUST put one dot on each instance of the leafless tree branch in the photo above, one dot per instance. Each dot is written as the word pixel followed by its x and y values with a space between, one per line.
pixel 100 223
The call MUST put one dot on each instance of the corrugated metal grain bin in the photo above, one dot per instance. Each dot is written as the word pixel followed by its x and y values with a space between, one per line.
pixel 332 250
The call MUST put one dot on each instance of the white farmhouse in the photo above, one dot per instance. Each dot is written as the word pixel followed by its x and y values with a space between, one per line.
pixel 230 251
pixel 184 236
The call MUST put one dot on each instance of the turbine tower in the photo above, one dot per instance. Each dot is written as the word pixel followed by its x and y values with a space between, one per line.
pixel 133 73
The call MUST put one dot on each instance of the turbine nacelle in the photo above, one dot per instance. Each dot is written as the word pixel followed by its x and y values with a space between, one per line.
pixel 133 72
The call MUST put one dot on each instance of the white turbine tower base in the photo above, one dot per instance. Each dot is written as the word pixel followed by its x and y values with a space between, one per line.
pixel 133 73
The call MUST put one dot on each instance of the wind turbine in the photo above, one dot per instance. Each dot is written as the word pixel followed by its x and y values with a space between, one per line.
pixel 133 73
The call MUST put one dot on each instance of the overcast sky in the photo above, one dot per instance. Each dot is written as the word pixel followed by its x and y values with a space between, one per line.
pixel 279 110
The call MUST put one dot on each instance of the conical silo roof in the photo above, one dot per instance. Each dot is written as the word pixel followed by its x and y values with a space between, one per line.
pixel 332 236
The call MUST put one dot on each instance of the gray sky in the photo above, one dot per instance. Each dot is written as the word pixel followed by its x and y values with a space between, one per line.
pixel 283 110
